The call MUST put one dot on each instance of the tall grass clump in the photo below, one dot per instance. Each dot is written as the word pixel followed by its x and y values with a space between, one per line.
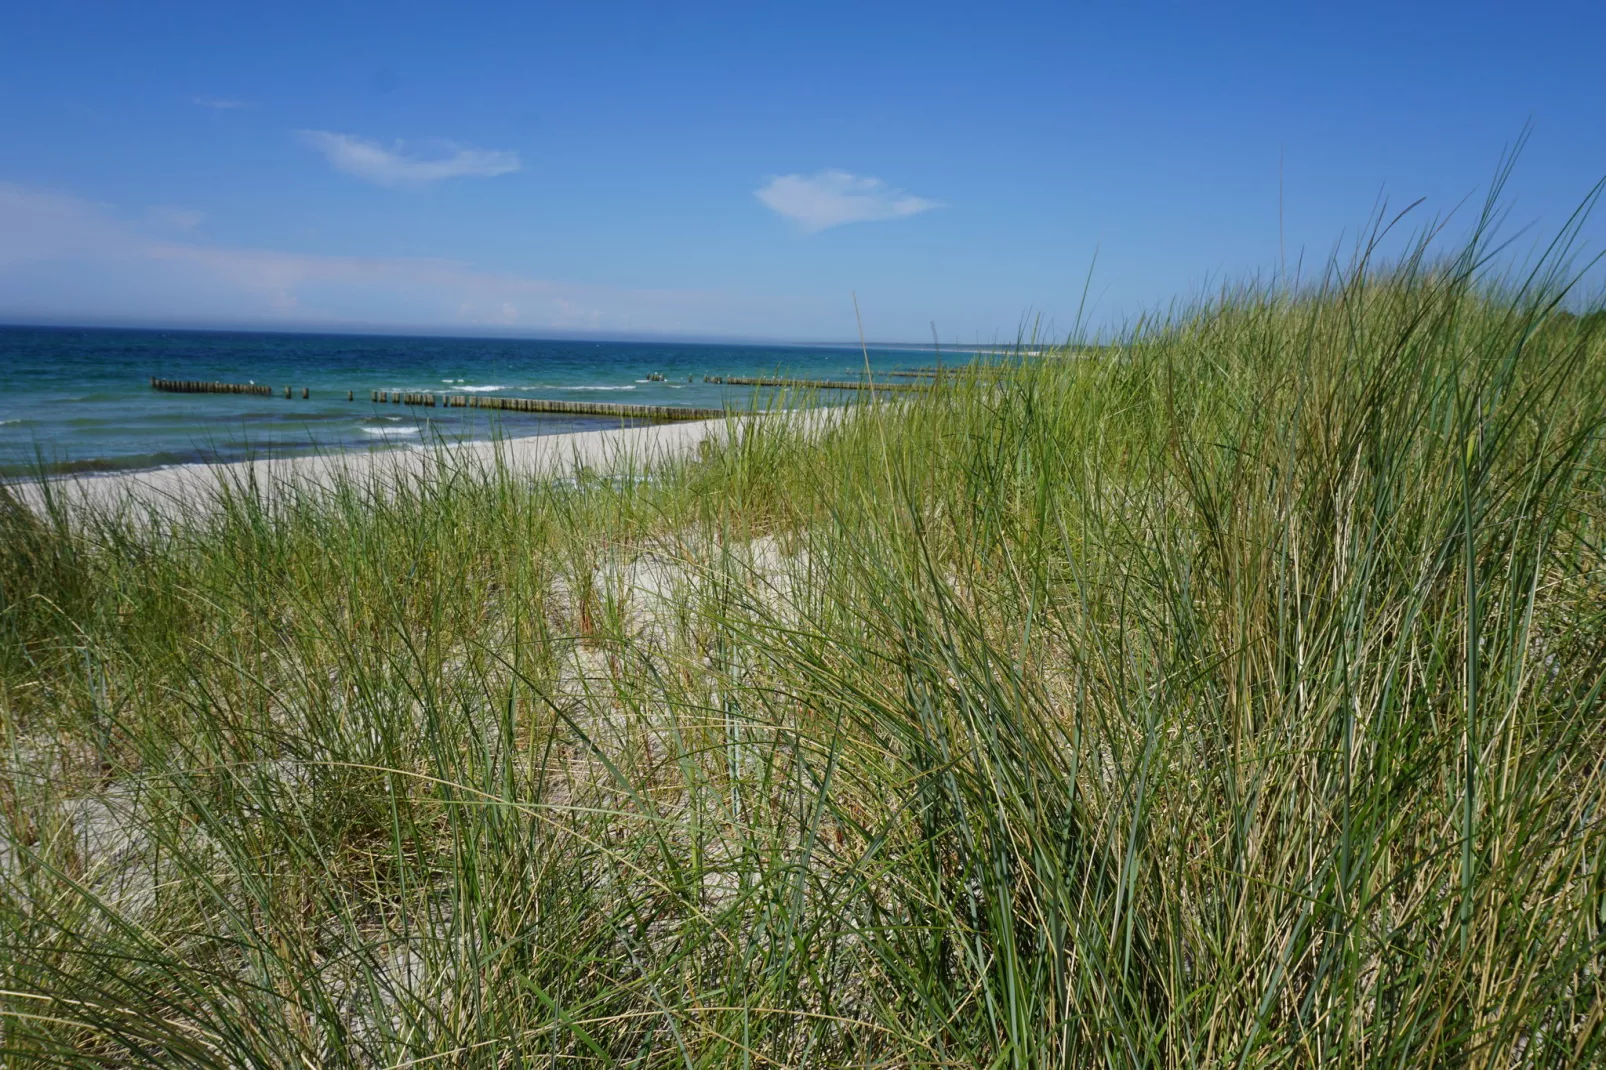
pixel 1230 696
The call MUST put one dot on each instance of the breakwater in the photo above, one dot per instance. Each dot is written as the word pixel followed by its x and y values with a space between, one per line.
pixel 810 384
pixel 197 386
pixel 541 405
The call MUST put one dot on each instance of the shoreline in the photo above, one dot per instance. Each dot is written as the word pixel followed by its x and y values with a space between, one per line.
pixel 173 488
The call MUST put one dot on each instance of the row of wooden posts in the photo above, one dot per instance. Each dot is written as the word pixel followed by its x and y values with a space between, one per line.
pixel 940 373
pixel 400 397
pixel 578 408
pixel 195 386
pixel 810 384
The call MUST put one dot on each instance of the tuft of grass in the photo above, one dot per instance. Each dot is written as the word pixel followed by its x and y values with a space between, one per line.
pixel 1228 696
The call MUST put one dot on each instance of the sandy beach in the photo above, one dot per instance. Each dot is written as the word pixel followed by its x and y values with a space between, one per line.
pixel 535 456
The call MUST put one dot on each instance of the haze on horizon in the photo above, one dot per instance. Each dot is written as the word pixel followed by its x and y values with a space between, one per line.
pixel 720 171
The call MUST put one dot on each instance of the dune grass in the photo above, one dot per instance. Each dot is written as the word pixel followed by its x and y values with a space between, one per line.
pixel 1228 697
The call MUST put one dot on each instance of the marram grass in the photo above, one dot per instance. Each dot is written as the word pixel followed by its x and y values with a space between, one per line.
pixel 1228 697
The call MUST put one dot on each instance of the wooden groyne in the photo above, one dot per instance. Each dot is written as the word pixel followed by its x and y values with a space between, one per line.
pixel 397 397
pixel 572 408
pixel 810 384
pixel 593 408
pixel 196 386
pixel 951 370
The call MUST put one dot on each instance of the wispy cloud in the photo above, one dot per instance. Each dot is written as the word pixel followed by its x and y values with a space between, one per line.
pixel 168 217
pixel 68 259
pixel 220 103
pixel 399 165
pixel 831 198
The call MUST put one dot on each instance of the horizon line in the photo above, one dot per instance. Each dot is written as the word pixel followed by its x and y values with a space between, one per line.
pixel 557 335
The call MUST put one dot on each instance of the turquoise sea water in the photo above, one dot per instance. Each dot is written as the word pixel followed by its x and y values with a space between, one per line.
pixel 77 400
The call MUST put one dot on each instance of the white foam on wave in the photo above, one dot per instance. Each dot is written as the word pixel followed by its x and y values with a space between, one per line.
pixel 632 387
pixel 8 423
pixel 478 389
pixel 387 431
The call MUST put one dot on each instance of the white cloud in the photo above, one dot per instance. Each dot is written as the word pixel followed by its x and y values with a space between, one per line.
pixel 67 259
pixel 831 198
pixel 40 225
pixel 397 166
pixel 168 217
pixel 220 103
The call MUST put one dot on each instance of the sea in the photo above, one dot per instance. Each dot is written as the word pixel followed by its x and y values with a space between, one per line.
pixel 76 400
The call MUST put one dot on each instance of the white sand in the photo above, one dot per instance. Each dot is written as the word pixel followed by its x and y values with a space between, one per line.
pixel 541 456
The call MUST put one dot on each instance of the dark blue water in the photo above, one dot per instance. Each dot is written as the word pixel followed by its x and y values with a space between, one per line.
pixel 75 400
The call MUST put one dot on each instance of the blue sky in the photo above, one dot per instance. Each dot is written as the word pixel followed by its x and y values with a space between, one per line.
pixel 740 170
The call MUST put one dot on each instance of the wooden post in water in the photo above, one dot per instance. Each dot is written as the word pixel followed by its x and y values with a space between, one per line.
pixel 193 386
pixel 349 396
pixel 306 393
